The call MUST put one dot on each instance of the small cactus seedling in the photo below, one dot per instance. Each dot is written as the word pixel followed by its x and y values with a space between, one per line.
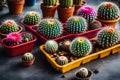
pixel 28 56
pixel 62 60
pixel 27 37
pixel 65 44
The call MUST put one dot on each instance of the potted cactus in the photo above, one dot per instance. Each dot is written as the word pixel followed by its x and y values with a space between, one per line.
pixel 30 2
pixel 62 60
pixel 15 6
pixel 2 4
pixel 83 74
pixel 108 13
pixel 78 4
pixel 48 8
pixel 88 13
pixel 65 10
pixel 28 59
pixel 31 18
pixel 95 24
pixel 9 26
pixel 50 28
pixel 18 43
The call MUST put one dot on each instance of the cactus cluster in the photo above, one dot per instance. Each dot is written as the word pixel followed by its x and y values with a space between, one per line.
pixel 80 47
pixel 108 37
pixel 9 26
pixel 28 56
pixel 77 2
pixel 66 3
pixel 49 2
pixel 87 12
pixel 82 73
pixel 108 11
pixel 50 28
pixel 13 39
pixel 76 24
pixel 27 37
pixel 62 60
pixel 51 46
pixel 95 24
pixel 31 18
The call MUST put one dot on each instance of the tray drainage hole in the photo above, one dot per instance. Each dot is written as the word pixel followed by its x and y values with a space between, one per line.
pixel 96 71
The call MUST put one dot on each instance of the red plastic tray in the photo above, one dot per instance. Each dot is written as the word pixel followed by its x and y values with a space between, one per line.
pixel 18 49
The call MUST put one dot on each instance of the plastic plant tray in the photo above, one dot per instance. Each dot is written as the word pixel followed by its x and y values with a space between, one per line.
pixel 32 29
pixel 76 63
pixel 18 49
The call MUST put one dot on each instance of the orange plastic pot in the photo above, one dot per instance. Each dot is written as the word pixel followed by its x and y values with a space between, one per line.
pixel 15 7
pixel 65 13
pixel 48 11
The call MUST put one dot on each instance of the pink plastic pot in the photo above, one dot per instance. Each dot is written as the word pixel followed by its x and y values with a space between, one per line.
pixel 18 49
pixel 32 29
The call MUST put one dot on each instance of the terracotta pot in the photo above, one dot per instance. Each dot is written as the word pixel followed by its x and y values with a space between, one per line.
pixel 78 6
pixel 4 35
pixel 48 11
pixel 15 7
pixel 28 63
pixel 87 78
pixel 111 23
pixel 65 13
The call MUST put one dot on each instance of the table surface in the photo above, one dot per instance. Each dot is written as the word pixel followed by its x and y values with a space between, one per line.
pixel 11 68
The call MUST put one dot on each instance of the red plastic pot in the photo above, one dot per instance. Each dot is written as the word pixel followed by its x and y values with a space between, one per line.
pixel 18 49
pixel 44 38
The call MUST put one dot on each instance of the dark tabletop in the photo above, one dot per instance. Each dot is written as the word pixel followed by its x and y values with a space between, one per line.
pixel 11 68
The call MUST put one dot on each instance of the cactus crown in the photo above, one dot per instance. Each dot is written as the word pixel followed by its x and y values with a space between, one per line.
pixel 77 2
pixel 49 2
pixel 82 73
pixel 27 37
pixel 108 37
pixel 66 3
pixel 50 28
pixel 62 60
pixel 87 12
pixel 80 47
pixel 76 24
pixel 32 18
pixel 28 56
pixel 9 26
pixel 108 11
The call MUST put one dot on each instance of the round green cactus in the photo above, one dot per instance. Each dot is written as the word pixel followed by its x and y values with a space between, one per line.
pixel 108 37
pixel 32 18
pixel 62 60
pixel 66 3
pixel 49 2
pixel 108 11
pixel 50 28
pixel 28 56
pixel 77 2
pixel 51 46
pixel 27 37
pixel 82 73
pixel 95 24
pixel 80 47
pixel 9 26
pixel 76 24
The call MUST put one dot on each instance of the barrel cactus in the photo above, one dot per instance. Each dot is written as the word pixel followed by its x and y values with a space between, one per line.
pixel 66 3
pixel 51 46
pixel 80 47
pixel 87 12
pixel 31 18
pixel 28 56
pixel 82 73
pixel 95 24
pixel 50 28
pixel 76 24
pixel 13 39
pixel 62 60
pixel 9 26
pixel 108 11
pixel 27 37
pixel 108 37
pixel 49 2
pixel 77 2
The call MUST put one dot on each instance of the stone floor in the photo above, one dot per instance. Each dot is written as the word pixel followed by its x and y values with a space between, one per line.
pixel 11 68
